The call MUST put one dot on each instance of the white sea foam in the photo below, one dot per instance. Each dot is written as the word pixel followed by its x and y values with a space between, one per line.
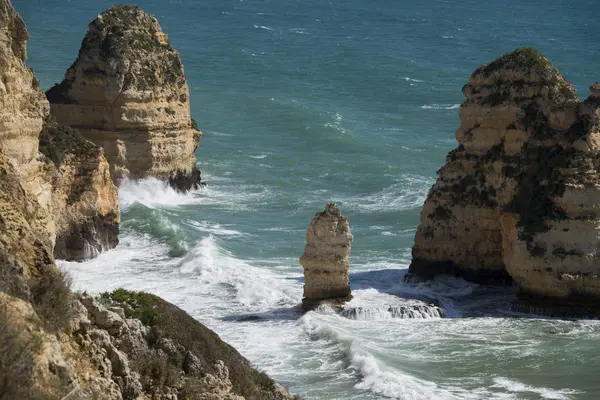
pixel 370 304
pixel 255 288
pixel 152 193
pixel 212 227
pixel 408 193
pixel 544 393
pixel 260 157
pixel 263 27
pixel 440 106
pixel 406 78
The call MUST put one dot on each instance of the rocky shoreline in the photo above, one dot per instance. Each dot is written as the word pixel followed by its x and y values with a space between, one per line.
pixel 58 199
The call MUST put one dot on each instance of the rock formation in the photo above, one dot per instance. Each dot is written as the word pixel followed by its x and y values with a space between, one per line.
pixel 127 92
pixel 84 193
pixel 23 105
pixel 76 201
pixel 326 258
pixel 55 344
pixel 518 199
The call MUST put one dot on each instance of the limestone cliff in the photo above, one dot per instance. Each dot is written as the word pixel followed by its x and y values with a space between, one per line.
pixel 77 203
pixel 88 221
pixel 518 199
pixel 326 258
pixel 127 92
pixel 23 105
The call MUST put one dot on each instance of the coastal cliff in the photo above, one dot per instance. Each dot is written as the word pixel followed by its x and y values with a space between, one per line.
pixel 518 199
pixel 83 192
pixel 127 93
pixel 76 201
pixel 57 197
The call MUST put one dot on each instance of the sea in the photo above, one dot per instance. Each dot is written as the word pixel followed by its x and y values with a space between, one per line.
pixel 351 101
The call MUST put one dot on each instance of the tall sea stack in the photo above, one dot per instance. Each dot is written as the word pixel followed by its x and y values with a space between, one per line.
pixel 518 199
pixel 127 93
pixel 326 258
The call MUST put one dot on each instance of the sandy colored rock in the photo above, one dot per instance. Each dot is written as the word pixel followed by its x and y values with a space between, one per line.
pixel 76 203
pixel 326 258
pixel 83 192
pixel 23 105
pixel 519 198
pixel 127 93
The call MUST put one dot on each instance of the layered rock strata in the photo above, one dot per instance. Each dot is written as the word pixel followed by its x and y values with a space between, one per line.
pixel 326 258
pixel 127 93
pixel 23 105
pixel 76 199
pixel 83 191
pixel 518 199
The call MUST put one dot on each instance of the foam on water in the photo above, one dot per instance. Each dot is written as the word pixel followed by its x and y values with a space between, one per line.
pixel 440 106
pixel 408 193
pixel 213 265
pixel 152 193
pixel 544 393
pixel 212 227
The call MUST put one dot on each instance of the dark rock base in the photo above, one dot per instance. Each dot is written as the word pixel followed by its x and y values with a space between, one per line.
pixel 569 307
pixel 312 304
pixel 184 181
pixel 83 240
pixel 422 270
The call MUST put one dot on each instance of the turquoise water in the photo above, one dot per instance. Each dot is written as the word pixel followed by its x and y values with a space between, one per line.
pixel 352 101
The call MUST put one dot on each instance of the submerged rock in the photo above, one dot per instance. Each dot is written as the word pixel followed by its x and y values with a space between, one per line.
pixel 518 199
pixel 127 92
pixel 326 258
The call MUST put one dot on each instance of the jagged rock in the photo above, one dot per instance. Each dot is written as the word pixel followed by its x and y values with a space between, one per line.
pixel 518 199
pixel 77 203
pixel 100 315
pixel 326 258
pixel 23 105
pixel 127 92
pixel 88 221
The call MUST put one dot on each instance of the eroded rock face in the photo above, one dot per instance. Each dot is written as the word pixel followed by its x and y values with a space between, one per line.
pixel 326 258
pixel 518 199
pixel 23 105
pixel 127 93
pixel 77 207
pixel 84 192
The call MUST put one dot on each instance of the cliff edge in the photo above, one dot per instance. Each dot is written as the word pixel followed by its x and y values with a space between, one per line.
pixel 127 93
pixel 69 178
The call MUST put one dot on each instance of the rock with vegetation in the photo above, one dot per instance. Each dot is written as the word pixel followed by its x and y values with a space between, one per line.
pixel 83 191
pixel 57 344
pixel 127 92
pixel 326 259
pixel 518 199
pixel 69 178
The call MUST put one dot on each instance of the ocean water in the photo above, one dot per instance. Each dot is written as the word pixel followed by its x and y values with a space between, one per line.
pixel 352 101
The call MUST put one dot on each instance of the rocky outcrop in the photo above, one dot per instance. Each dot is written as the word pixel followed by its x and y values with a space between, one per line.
pixel 23 105
pixel 76 200
pixel 23 108
pixel 88 221
pixel 127 93
pixel 153 349
pixel 518 199
pixel 326 258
